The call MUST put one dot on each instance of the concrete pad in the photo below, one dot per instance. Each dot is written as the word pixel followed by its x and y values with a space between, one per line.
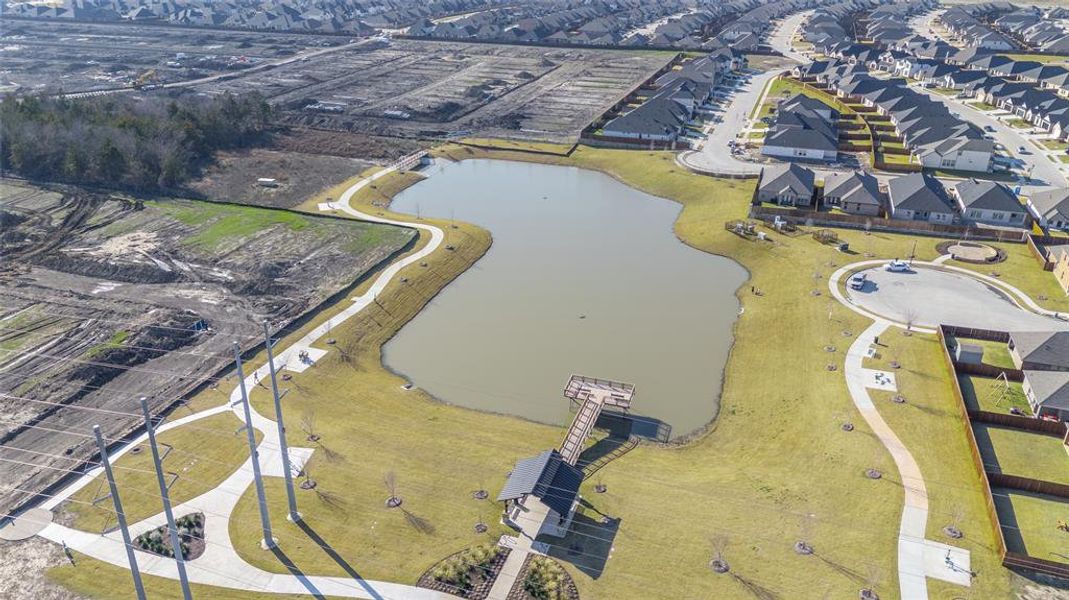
pixel 325 206
pixel 937 566
pixel 880 380
pixel 271 460
pixel 290 360
pixel 26 525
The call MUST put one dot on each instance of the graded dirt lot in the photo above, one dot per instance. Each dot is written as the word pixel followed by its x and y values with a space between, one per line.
pixel 52 55
pixel 233 177
pixel 104 300
pixel 415 88
pixel 345 143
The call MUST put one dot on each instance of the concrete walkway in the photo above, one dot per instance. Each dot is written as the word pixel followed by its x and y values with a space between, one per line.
pixel 918 558
pixel 220 565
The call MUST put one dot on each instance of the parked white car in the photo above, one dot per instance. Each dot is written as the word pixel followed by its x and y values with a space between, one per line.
pixel 898 266
pixel 858 280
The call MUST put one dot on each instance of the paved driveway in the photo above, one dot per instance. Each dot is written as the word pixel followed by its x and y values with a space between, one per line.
pixel 936 296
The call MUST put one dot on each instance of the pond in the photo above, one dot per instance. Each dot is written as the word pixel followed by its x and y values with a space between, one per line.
pixel 585 276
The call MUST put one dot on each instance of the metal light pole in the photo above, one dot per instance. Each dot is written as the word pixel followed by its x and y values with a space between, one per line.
pixel 176 544
pixel 291 496
pixel 265 520
pixel 139 588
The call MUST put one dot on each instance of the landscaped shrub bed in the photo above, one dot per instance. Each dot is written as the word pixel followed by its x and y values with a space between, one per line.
pixel 469 573
pixel 544 579
pixel 190 535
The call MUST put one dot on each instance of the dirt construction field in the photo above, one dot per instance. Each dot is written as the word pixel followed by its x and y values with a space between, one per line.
pixel 38 56
pixel 233 177
pixel 411 88
pixel 105 300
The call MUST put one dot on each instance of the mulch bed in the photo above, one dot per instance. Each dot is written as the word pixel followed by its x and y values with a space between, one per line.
pixel 191 535
pixel 482 580
pixel 517 592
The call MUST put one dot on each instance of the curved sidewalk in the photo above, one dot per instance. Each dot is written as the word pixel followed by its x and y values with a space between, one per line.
pixel 918 558
pixel 220 565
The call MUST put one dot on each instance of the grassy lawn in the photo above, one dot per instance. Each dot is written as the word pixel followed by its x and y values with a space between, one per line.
pixel 996 354
pixel 1019 123
pixel 784 87
pixel 1064 159
pixel 226 224
pixel 929 423
pixel 673 502
pixel 982 106
pixel 951 92
pixel 1021 270
pixel 896 159
pixel 93 579
pixel 1030 523
pixel 1023 453
pixel 991 395
pixel 199 466
pixel 1054 144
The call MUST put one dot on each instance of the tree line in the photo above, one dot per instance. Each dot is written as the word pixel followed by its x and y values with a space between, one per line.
pixel 143 143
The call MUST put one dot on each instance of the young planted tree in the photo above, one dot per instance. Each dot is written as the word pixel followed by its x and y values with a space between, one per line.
pixel 308 425
pixel 393 500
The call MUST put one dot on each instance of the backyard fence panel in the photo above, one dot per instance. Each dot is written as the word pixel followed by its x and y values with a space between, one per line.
pixel 1027 484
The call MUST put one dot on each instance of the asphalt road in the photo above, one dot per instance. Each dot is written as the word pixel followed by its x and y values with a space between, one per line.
pixel 715 156
pixel 932 297
pixel 1044 172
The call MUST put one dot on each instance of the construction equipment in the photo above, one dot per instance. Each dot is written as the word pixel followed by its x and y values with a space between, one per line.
pixel 144 78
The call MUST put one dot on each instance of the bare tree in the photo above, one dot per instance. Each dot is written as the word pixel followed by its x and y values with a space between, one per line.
pixel 910 316
pixel 390 479
pixel 719 542
pixel 308 425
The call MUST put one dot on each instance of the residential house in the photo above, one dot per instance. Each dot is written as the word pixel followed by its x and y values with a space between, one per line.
pixel 1050 208
pixel 787 185
pixel 856 193
pixel 1047 393
pixel 1040 350
pixel 804 128
pixel 989 202
pixel 1061 268
pixel 959 152
pixel 919 197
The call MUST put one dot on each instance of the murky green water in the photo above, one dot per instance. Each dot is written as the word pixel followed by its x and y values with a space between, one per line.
pixel 584 276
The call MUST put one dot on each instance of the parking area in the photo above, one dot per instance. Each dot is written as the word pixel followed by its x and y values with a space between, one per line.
pixel 928 297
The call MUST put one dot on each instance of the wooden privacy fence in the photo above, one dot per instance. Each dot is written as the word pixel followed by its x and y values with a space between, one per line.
pixel 1039 565
pixel 982 370
pixel 826 219
pixel 989 335
pixel 1010 560
pixel 1030 424
pixel 1027 484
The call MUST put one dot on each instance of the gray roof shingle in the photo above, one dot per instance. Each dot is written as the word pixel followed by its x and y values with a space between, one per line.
pixel 547 477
